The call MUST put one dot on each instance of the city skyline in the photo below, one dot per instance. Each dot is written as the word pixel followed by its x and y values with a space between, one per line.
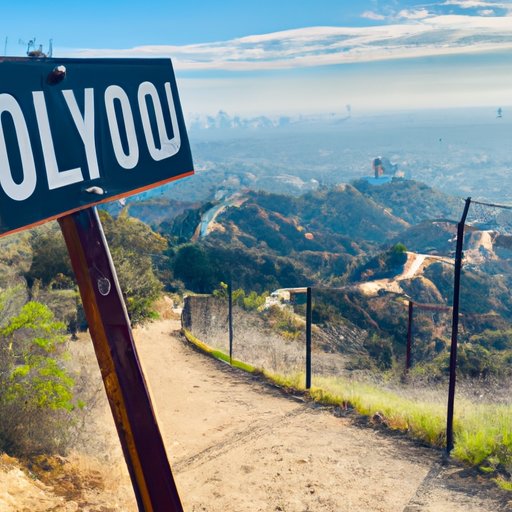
pixel 269 58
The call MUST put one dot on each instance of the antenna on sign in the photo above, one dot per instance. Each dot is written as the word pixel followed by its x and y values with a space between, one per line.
pixel 36 52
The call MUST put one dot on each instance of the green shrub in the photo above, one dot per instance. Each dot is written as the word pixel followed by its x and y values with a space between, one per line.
pixel 399 248
pixel 498 339
pixel 133 244
pixel 36 392
pixel 380 350
pixel 285 322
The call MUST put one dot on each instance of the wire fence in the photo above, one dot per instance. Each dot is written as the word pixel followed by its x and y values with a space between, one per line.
pixel 354 343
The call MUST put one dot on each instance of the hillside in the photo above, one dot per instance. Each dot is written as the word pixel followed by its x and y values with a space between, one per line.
pixel 364 262
pixel 374 246
pixel 322 236
pixel 315 236
pixel 413 201
pixel 347 237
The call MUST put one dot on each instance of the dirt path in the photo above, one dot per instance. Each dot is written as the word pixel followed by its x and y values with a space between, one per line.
pixel 412 266
pixel 480 247
pixel 237 444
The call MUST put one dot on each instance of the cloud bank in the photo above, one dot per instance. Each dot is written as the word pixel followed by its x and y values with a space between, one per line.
pixel 418 35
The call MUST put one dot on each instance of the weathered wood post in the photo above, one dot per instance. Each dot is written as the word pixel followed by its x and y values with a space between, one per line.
pixel 124 381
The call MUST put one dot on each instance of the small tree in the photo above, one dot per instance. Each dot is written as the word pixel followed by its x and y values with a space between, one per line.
pixel 49 256
pixel 36 391
pixel 133 245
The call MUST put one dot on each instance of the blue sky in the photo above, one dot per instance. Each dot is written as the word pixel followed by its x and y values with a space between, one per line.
pixel 283 56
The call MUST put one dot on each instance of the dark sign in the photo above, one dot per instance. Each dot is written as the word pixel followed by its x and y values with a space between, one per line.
pixel 78 132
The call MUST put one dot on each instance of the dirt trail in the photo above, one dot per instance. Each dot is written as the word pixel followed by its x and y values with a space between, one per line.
pixel 412 267
pixel 237 444
pixel 480 247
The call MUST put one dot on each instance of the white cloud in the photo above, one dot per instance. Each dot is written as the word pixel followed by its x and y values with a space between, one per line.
pixel 486 12
pixel 371 15
pixel 321 46
pixel 472 4
pixel 413 14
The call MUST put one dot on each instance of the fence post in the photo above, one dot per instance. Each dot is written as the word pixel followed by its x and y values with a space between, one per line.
pixel 409 336
pixel 230 319
pixel 455 327
pixel 309 318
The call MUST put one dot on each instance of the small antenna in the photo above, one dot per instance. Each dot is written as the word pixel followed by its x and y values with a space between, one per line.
pixel 33 51
pixel 5 46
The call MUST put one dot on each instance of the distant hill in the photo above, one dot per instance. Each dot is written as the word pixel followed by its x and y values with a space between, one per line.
pixel 319 233
pixel 321 220
pixel 412 201
pixel 338 235
pixel 430 237
pixel 367 251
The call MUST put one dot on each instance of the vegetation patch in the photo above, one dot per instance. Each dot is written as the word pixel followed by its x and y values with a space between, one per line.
pixel 36 391
pixel 218 354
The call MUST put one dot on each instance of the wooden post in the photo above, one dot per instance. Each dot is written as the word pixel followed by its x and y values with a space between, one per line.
pixel 126 388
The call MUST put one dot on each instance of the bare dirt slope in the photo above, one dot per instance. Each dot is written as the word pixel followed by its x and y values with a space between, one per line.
pixel 414 266
pixel 237 444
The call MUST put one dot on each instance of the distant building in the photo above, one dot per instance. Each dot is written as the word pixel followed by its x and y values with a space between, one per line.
pixel 381 180
pixel 377 167
pixel 284 297
pixel 383 171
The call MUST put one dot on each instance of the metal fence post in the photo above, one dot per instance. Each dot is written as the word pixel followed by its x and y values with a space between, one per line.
pixel 309 318
pixel 409 336
pixel 455 327
pixel 230 319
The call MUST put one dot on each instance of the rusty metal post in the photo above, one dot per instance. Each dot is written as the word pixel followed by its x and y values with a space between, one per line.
pixel 409 336
pixel 126 388
pixel 455 327
pixel 309 321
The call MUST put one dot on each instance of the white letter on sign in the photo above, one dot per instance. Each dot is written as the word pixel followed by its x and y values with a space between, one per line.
pixel 85 126
pixel 23 190
pixel 130 160
pixel 168 147
pixel 56 178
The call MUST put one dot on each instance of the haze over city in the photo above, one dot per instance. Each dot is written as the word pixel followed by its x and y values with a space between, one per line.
pixel 265 57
